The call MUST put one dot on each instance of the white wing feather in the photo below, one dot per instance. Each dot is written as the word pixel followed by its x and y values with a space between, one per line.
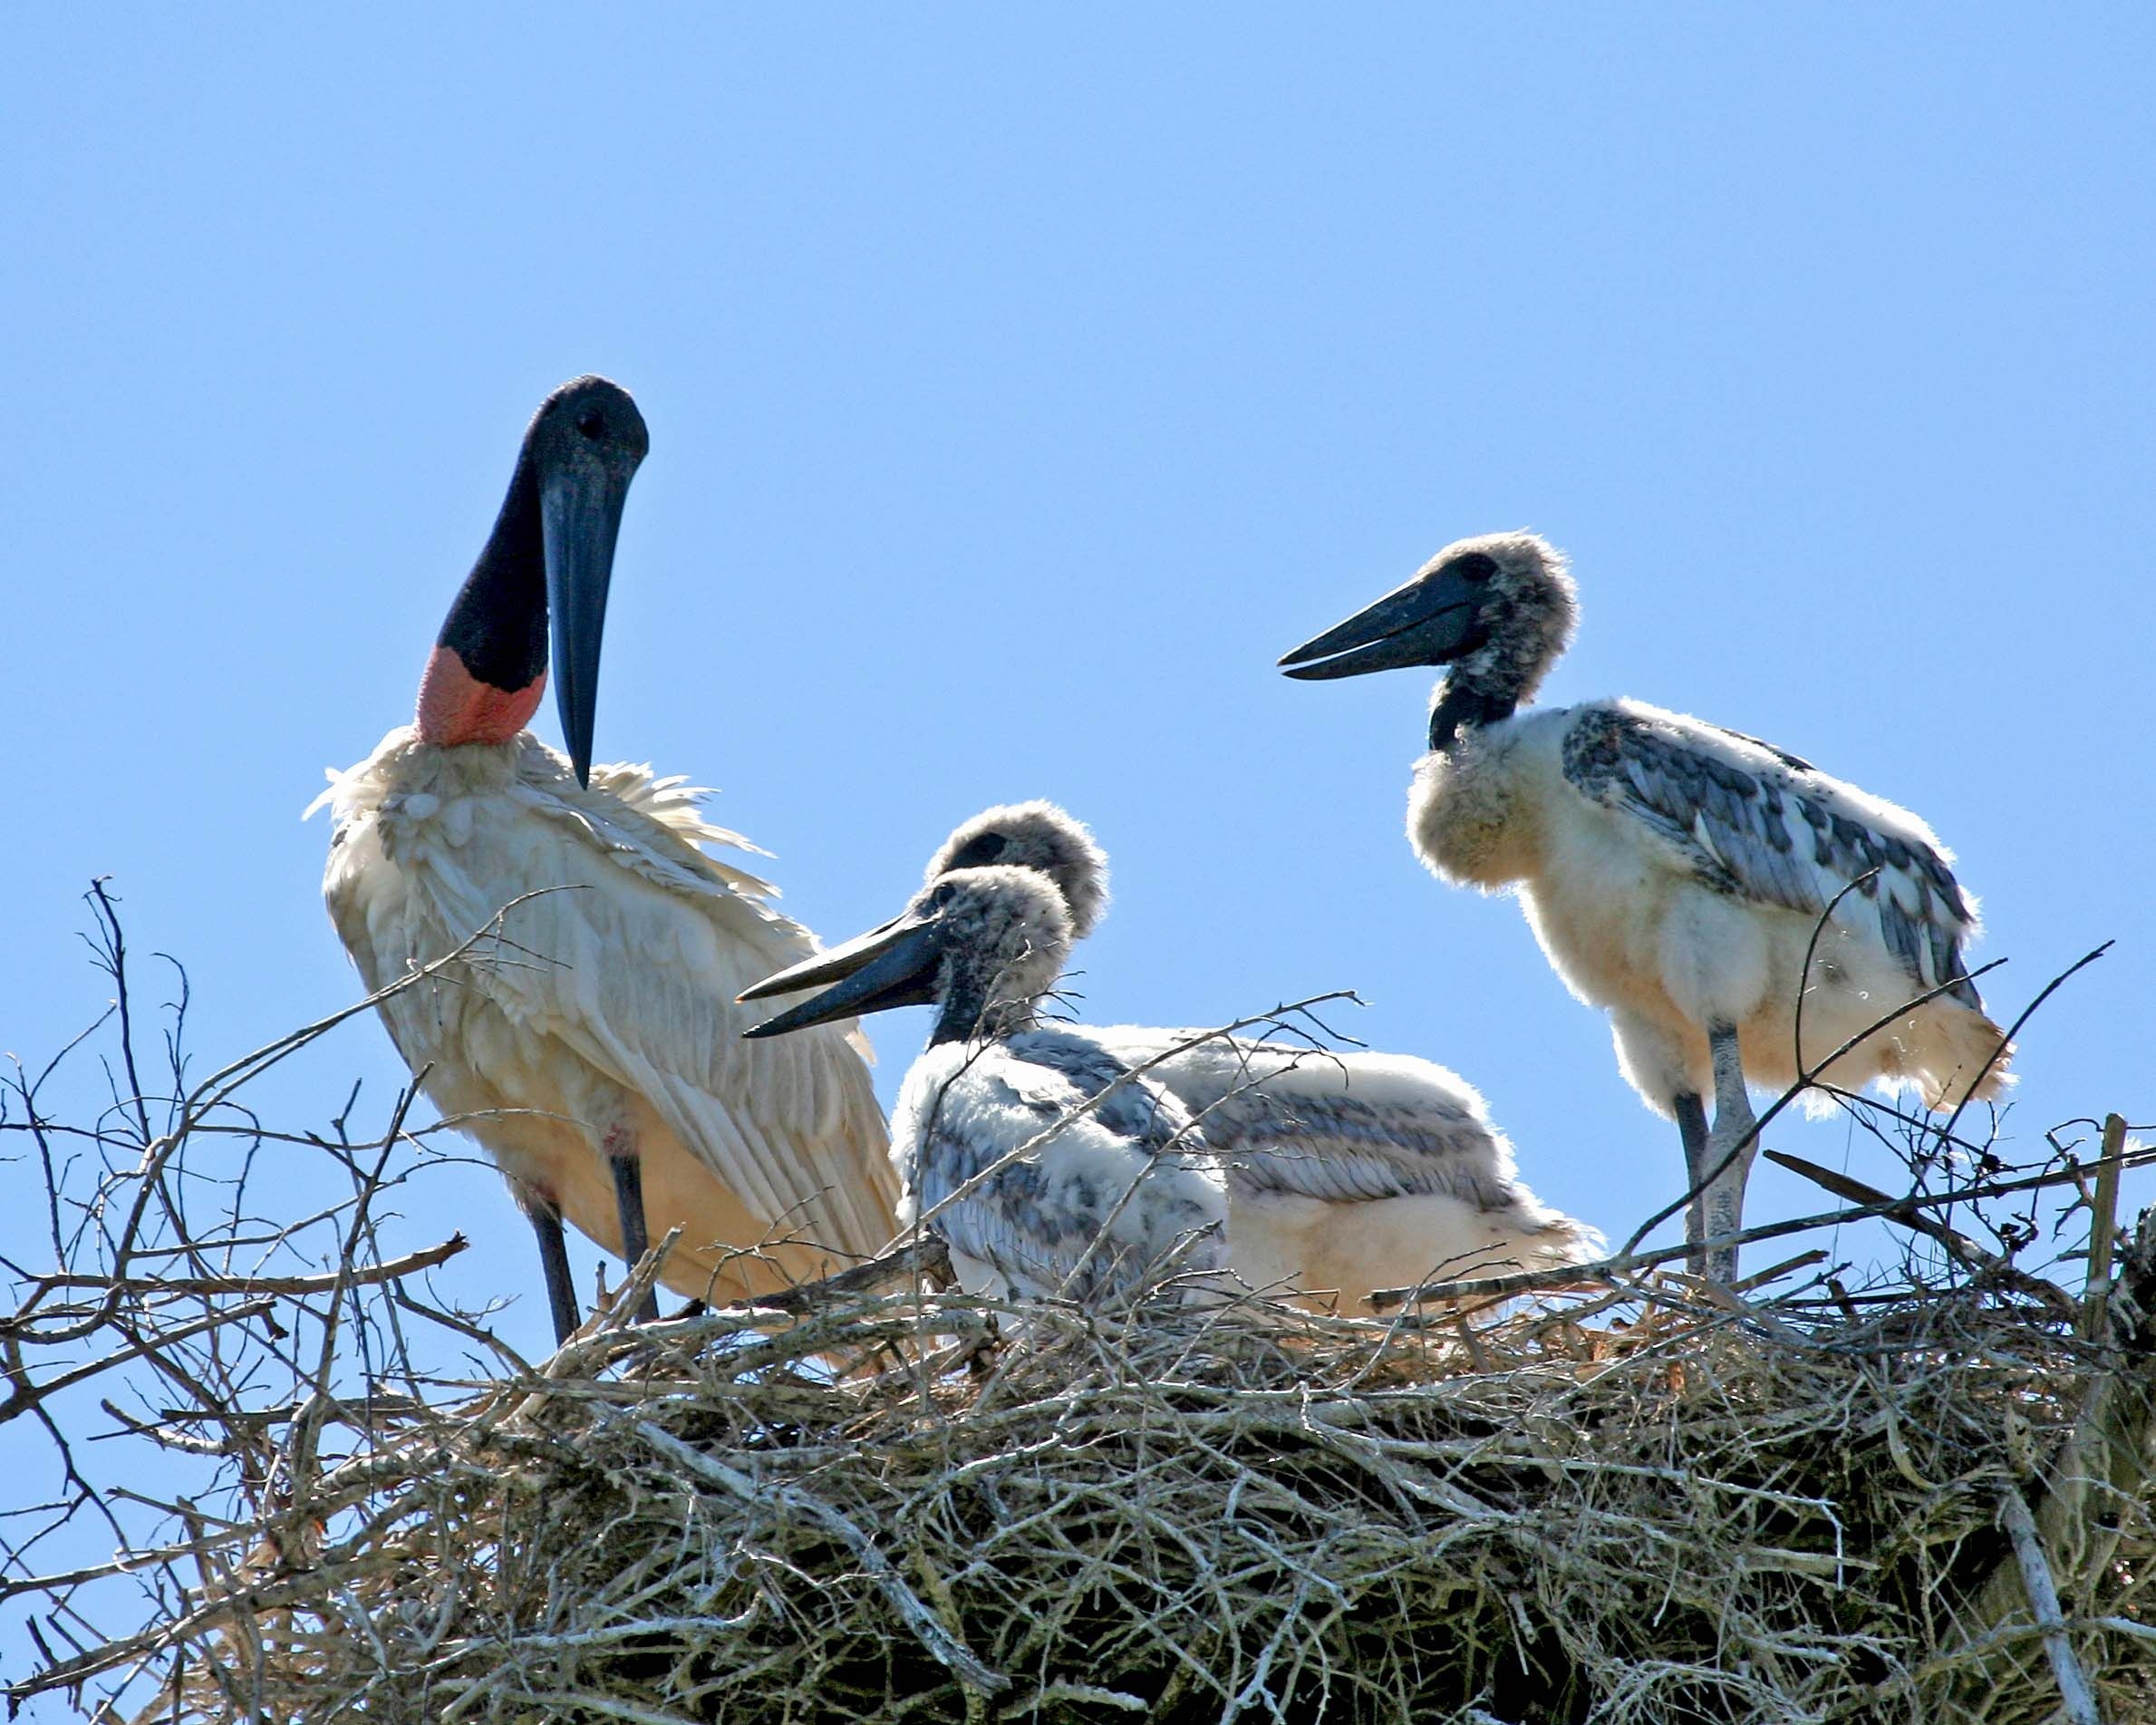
pixel 627 950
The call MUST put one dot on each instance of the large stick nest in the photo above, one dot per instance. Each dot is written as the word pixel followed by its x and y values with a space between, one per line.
pixel 1199 1517
pixel 1644 1500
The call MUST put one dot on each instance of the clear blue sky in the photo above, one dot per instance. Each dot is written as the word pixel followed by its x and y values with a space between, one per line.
pixel 1021 384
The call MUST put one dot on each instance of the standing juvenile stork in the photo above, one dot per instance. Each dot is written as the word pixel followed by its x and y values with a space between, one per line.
pixel 594 1047
pixel 1319 1142
pixel 1675 872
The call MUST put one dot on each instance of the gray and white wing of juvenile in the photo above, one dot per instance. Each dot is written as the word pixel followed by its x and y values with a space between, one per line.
pixel 1344 1127
pixel 1754 823
pixel 1096 1202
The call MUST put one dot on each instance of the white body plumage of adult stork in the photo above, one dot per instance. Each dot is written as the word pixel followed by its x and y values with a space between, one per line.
pixel 592 1048
pixel 1675 872
pixel 1348 1171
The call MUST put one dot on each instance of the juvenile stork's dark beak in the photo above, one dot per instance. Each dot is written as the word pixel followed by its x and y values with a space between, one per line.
pixel 594 440
pixel 1434 619
pixel 893 965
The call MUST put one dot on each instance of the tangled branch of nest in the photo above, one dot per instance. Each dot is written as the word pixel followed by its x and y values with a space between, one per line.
pixel 1210 1516
pixel 1643 1500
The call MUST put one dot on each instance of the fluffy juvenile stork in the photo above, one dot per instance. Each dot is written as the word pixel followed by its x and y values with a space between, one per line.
pixel 1347 1170
pixel 592 1048
pixel 1318 1191
pixel 1675 872
pixel 1105 1201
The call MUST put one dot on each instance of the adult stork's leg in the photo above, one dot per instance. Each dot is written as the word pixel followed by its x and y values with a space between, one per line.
pixel 1691 1122
pixel 1727 1166
pixel 628 1196
pixel 554 1261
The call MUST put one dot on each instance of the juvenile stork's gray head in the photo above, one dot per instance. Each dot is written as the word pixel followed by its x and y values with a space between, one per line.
pixel 1498 608
pixel 981 944
pixel 1033 835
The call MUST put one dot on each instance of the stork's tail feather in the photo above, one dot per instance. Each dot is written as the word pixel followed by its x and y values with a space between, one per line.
pixel 1563 1240
pixel 1531 1239
pixel 1963 1056
pixel 1538 1237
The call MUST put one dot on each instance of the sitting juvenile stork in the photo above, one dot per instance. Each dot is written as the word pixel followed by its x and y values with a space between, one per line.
pixel 1675 872
pixel 1107 1201
pixel 1347 1170
pixel 1320 1191
pixel 593 1049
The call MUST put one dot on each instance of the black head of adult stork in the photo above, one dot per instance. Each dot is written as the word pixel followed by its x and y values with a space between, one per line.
pixel 1039 836
pixel 1499 609
pixel 981 944
pixel 552 550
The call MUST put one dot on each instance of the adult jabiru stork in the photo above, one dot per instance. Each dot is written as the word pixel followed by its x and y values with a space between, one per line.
pixel 593 1046
pixel 1676 873
pixel 1370 1169
pixel 1274 1175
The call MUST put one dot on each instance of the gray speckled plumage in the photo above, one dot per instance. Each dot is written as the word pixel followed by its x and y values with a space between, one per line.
pixel 1039 836
pixel 1529 614
pixel 1345 1151
pixel 1100 1206
pixel 1773 830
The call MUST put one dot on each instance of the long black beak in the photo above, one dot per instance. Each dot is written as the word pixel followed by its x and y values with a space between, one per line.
pixel 580 516
pixel 893 966
pixel 1434 619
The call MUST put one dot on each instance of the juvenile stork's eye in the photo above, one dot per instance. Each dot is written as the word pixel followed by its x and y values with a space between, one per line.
pixel 1475 566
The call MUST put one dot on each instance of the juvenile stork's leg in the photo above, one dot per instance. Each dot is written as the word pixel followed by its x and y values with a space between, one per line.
pixel 554 1262
pixel 1727 1167
pixel 1691 1123
pixel 628 1198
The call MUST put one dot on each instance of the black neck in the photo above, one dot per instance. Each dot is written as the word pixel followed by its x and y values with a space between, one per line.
pixel 1463 705
pixel 970 1012
pixel 960 1012
pixel 498 625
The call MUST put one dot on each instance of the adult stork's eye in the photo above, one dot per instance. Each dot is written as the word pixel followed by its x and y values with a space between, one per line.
pixel 592 423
